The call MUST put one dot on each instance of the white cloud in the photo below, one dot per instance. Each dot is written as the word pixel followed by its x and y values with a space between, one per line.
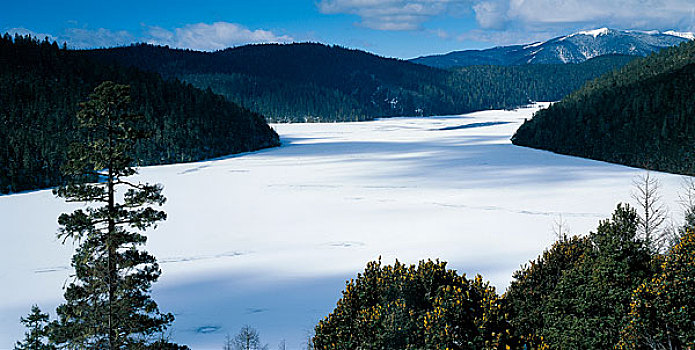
pixel 506 37
pixel 514 18
pixel 491 14
pixel 440 33
pixel 83 38
pixel 393 14
pixel 520 21
pixel 613 13
pixel 199 36
pixel 215 36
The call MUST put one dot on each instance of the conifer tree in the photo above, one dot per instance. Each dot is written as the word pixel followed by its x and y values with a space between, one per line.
pixel 590 302
pixel 662 309
pixel 108 306
pixel 687 201
pixel 37 331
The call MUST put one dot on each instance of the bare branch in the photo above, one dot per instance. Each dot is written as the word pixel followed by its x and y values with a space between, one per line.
pixel 560 228
pixel 653 213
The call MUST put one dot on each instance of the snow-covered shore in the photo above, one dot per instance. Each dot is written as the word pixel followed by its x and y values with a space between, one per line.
pixel 268 238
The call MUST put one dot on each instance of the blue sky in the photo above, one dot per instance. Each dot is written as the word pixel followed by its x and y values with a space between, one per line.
pixel 394 28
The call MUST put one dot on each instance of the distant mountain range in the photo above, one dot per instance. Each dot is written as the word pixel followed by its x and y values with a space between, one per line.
pixel 573 48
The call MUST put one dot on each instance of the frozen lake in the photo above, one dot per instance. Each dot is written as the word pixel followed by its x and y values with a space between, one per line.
pixel 269 238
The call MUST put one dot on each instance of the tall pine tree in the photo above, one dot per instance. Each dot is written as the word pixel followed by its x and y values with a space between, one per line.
pixel 108 306
pixel 37 331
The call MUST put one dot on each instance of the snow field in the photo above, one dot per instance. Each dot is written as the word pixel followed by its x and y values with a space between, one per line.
pixel 269 238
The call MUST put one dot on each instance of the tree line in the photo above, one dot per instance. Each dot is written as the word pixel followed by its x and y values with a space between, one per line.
pixel 641 116
pixel 305 82
pixel 42 84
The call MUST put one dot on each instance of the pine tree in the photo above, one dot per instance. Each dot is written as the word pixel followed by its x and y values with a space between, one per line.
pixel 37 331
pixel 590 302
pixel 108 306
pixel 687 201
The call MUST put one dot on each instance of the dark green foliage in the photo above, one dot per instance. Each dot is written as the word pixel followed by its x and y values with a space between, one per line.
pixel 662 311
pixel 491 85
pixel 37 332
pixel 413 307
pixel 642 115
pixel 313 82
pixel 468 319
pixel 534 283
pixel 577 295
pixel 108 305
pixel 604 290
pixel 301 82
pixel 589 305
pixel 41 85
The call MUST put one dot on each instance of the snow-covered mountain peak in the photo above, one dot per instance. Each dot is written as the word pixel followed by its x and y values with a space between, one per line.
pixel 594 33
pixel 572 48
pixel 685 35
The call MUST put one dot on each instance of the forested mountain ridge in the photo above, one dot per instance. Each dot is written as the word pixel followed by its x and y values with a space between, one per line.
pixel 299 82
pixel 573 48
pixel 537 82
pixel 642 115
pixel 41 86
pixel 313 82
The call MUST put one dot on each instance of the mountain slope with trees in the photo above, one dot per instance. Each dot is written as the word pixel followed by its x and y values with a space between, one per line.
pixel 41 86
pixel 642 116
pixel 306 82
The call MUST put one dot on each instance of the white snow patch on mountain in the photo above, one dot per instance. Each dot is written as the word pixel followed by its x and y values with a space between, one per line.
pixel 685 35
pixel 594 33
pixel 530 46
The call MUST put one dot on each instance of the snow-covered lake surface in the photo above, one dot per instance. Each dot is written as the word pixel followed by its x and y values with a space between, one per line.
pixel 268 239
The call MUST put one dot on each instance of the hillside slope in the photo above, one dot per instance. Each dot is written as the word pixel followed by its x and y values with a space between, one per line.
pixel 313 82
pixel 642 115
pixel 41 86
pixel 535 82
pixel 300 82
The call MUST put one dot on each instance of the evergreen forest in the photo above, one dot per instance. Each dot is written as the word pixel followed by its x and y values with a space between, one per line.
pixel 642 115
pixel 307 82
pixel 42 84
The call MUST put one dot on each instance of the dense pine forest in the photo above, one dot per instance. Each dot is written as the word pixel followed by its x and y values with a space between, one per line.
pixel 42 84
pixel 492 85
pixel 314 82
pixel 641 115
